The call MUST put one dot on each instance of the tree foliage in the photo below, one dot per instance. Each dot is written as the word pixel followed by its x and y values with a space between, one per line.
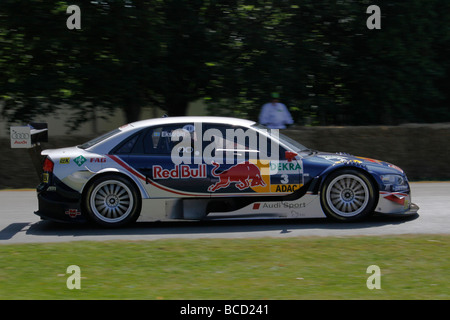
pixel 319 55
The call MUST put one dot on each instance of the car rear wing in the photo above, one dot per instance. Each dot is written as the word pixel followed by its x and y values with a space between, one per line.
pixel 29 137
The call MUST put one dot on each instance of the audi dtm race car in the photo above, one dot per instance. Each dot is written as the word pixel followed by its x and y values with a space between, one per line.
pixel 198 168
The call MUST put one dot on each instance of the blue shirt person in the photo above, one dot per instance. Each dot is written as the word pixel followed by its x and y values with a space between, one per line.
pixel 275 115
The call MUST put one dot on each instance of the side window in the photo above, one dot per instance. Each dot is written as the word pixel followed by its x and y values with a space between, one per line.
pixel 154 143
pixel 161 140
pixel 230 143
pixel 130 145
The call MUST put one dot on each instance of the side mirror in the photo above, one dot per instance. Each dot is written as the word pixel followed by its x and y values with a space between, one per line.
pixel 289 155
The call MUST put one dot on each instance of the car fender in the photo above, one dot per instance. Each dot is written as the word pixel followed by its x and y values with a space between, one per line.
pixel 142 190
pixel 346 164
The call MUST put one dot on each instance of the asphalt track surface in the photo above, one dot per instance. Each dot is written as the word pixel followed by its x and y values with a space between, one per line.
pixel 18 223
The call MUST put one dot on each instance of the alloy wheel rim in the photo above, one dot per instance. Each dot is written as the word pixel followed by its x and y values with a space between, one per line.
pixel 347 195
pixel 111 201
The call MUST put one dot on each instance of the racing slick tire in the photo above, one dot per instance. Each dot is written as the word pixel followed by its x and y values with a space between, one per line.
pixel 112 201
pixel 348 195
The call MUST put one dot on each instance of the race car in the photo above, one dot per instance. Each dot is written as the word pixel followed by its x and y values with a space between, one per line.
pixel 199 168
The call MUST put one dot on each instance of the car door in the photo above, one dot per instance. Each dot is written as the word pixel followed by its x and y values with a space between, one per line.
pixel 232 156
pixel 246 162
pixel 167 163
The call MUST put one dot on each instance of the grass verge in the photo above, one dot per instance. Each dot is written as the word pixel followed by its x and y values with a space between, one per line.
pixel 412 267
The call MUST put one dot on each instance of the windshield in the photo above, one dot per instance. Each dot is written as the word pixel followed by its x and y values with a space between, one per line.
pixel 289 142
pixel 98 139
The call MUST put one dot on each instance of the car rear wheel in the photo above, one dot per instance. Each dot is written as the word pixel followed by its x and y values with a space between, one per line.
pixel 112 201
pixel 348 195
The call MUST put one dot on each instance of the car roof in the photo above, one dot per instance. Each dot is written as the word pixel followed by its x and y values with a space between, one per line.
pixel 193 119
pixel 125 131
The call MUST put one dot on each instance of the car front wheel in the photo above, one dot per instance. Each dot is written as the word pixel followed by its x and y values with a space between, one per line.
pixel 348 195
pixel 112 201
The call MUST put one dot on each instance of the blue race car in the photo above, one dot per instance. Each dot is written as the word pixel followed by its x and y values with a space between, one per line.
pixel 198 168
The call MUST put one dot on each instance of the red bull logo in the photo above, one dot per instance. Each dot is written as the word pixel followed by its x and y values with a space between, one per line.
pixel 244 175
pixel 182 171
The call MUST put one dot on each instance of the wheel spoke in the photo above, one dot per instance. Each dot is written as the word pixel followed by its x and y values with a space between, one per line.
pixel 101 192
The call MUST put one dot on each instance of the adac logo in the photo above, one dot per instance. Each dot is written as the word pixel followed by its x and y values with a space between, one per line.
pixel 244 175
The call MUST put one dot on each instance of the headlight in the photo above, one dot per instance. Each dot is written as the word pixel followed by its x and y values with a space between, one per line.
pixel 393 179
pixel 394 182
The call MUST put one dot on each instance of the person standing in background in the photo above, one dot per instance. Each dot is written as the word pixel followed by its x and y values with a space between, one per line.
pixel 275 115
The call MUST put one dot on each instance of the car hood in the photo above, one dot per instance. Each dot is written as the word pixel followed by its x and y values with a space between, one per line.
pixel 332 159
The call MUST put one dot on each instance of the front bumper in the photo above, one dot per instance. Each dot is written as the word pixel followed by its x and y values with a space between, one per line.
pixel 56 207
pixel 396 203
